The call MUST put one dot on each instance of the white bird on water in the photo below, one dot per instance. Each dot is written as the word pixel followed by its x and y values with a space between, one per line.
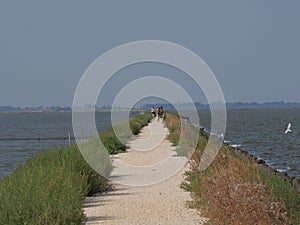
pixel 288 129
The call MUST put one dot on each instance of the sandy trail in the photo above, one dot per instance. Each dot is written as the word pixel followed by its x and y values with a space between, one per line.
pixel 147 182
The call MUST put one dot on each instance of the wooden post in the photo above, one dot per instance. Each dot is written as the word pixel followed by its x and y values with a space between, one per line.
pixel 69 137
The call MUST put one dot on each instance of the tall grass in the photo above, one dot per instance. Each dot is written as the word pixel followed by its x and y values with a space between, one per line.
pixel 283 191
pixel 137 123
pixel 182 134
pixel 49 189
pixel 174 126
pixel 51 186
pixel 116 144
pixel 235 190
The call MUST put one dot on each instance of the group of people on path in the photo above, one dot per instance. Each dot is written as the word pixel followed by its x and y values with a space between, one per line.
pixel 159 112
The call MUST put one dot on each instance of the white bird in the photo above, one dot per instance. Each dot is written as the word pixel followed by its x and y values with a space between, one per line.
pixel 288 129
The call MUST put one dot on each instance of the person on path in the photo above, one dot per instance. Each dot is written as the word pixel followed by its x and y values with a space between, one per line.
pixel 153 113
pixel 160 113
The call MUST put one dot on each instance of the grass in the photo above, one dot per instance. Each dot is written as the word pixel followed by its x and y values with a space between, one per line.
pixel 51 186
pixel 49 189
pixel 116 144
pixel 137 123
pixel 174 126
pixel 235 190
pixel 186 131
pixel 111 142
pixel 283 191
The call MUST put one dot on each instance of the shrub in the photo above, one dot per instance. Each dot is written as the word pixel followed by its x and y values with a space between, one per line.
pixel 235 190
pixel 113 145
pixel 138 122
pixel 49 189
pixel 51 186
pixel 135 127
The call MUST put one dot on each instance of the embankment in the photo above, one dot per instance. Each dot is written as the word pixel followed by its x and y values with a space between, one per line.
pixel 237 188
pixel 244 154
pixel 50 187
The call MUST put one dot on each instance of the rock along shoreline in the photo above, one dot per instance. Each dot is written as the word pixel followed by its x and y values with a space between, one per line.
pixel 295 182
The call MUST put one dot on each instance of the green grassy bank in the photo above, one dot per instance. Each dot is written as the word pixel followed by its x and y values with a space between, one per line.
pixel 235 189
pixel 50 187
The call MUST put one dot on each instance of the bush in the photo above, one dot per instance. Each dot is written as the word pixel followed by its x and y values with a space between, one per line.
pixel 111 141
pixel 51 186
pixel 113 144
pixel 135 127
pixel 49 189
pixel 137 123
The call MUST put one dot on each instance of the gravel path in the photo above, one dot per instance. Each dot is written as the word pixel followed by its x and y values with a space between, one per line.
pixel 147 185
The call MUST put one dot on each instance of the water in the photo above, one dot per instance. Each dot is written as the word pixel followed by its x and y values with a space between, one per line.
pixel 261 133
pixel 23 135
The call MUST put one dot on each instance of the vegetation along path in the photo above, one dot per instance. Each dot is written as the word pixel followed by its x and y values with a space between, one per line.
pixel 147 181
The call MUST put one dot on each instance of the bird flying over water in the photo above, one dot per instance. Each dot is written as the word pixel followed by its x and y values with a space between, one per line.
pixel 288 129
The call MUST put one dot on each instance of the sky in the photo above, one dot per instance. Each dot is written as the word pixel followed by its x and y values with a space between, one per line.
pixel 252 47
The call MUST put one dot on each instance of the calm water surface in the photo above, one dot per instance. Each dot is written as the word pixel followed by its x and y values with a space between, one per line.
pixel 23 135
pixel 259 131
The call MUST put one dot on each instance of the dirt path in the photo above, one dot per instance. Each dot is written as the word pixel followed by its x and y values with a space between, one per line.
pixel 147 185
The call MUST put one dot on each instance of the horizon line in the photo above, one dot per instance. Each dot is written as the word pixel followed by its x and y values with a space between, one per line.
pixel 122 107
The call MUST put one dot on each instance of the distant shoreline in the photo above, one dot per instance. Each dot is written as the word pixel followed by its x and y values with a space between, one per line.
pixel 64 111
pixel 168 107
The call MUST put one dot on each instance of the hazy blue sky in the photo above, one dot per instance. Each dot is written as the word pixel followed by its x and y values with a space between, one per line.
pixel 251 46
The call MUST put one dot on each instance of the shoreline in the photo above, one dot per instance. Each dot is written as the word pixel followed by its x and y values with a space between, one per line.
pixel 239 187
pixel 70 111
pixel 294 181
pixel 50 186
